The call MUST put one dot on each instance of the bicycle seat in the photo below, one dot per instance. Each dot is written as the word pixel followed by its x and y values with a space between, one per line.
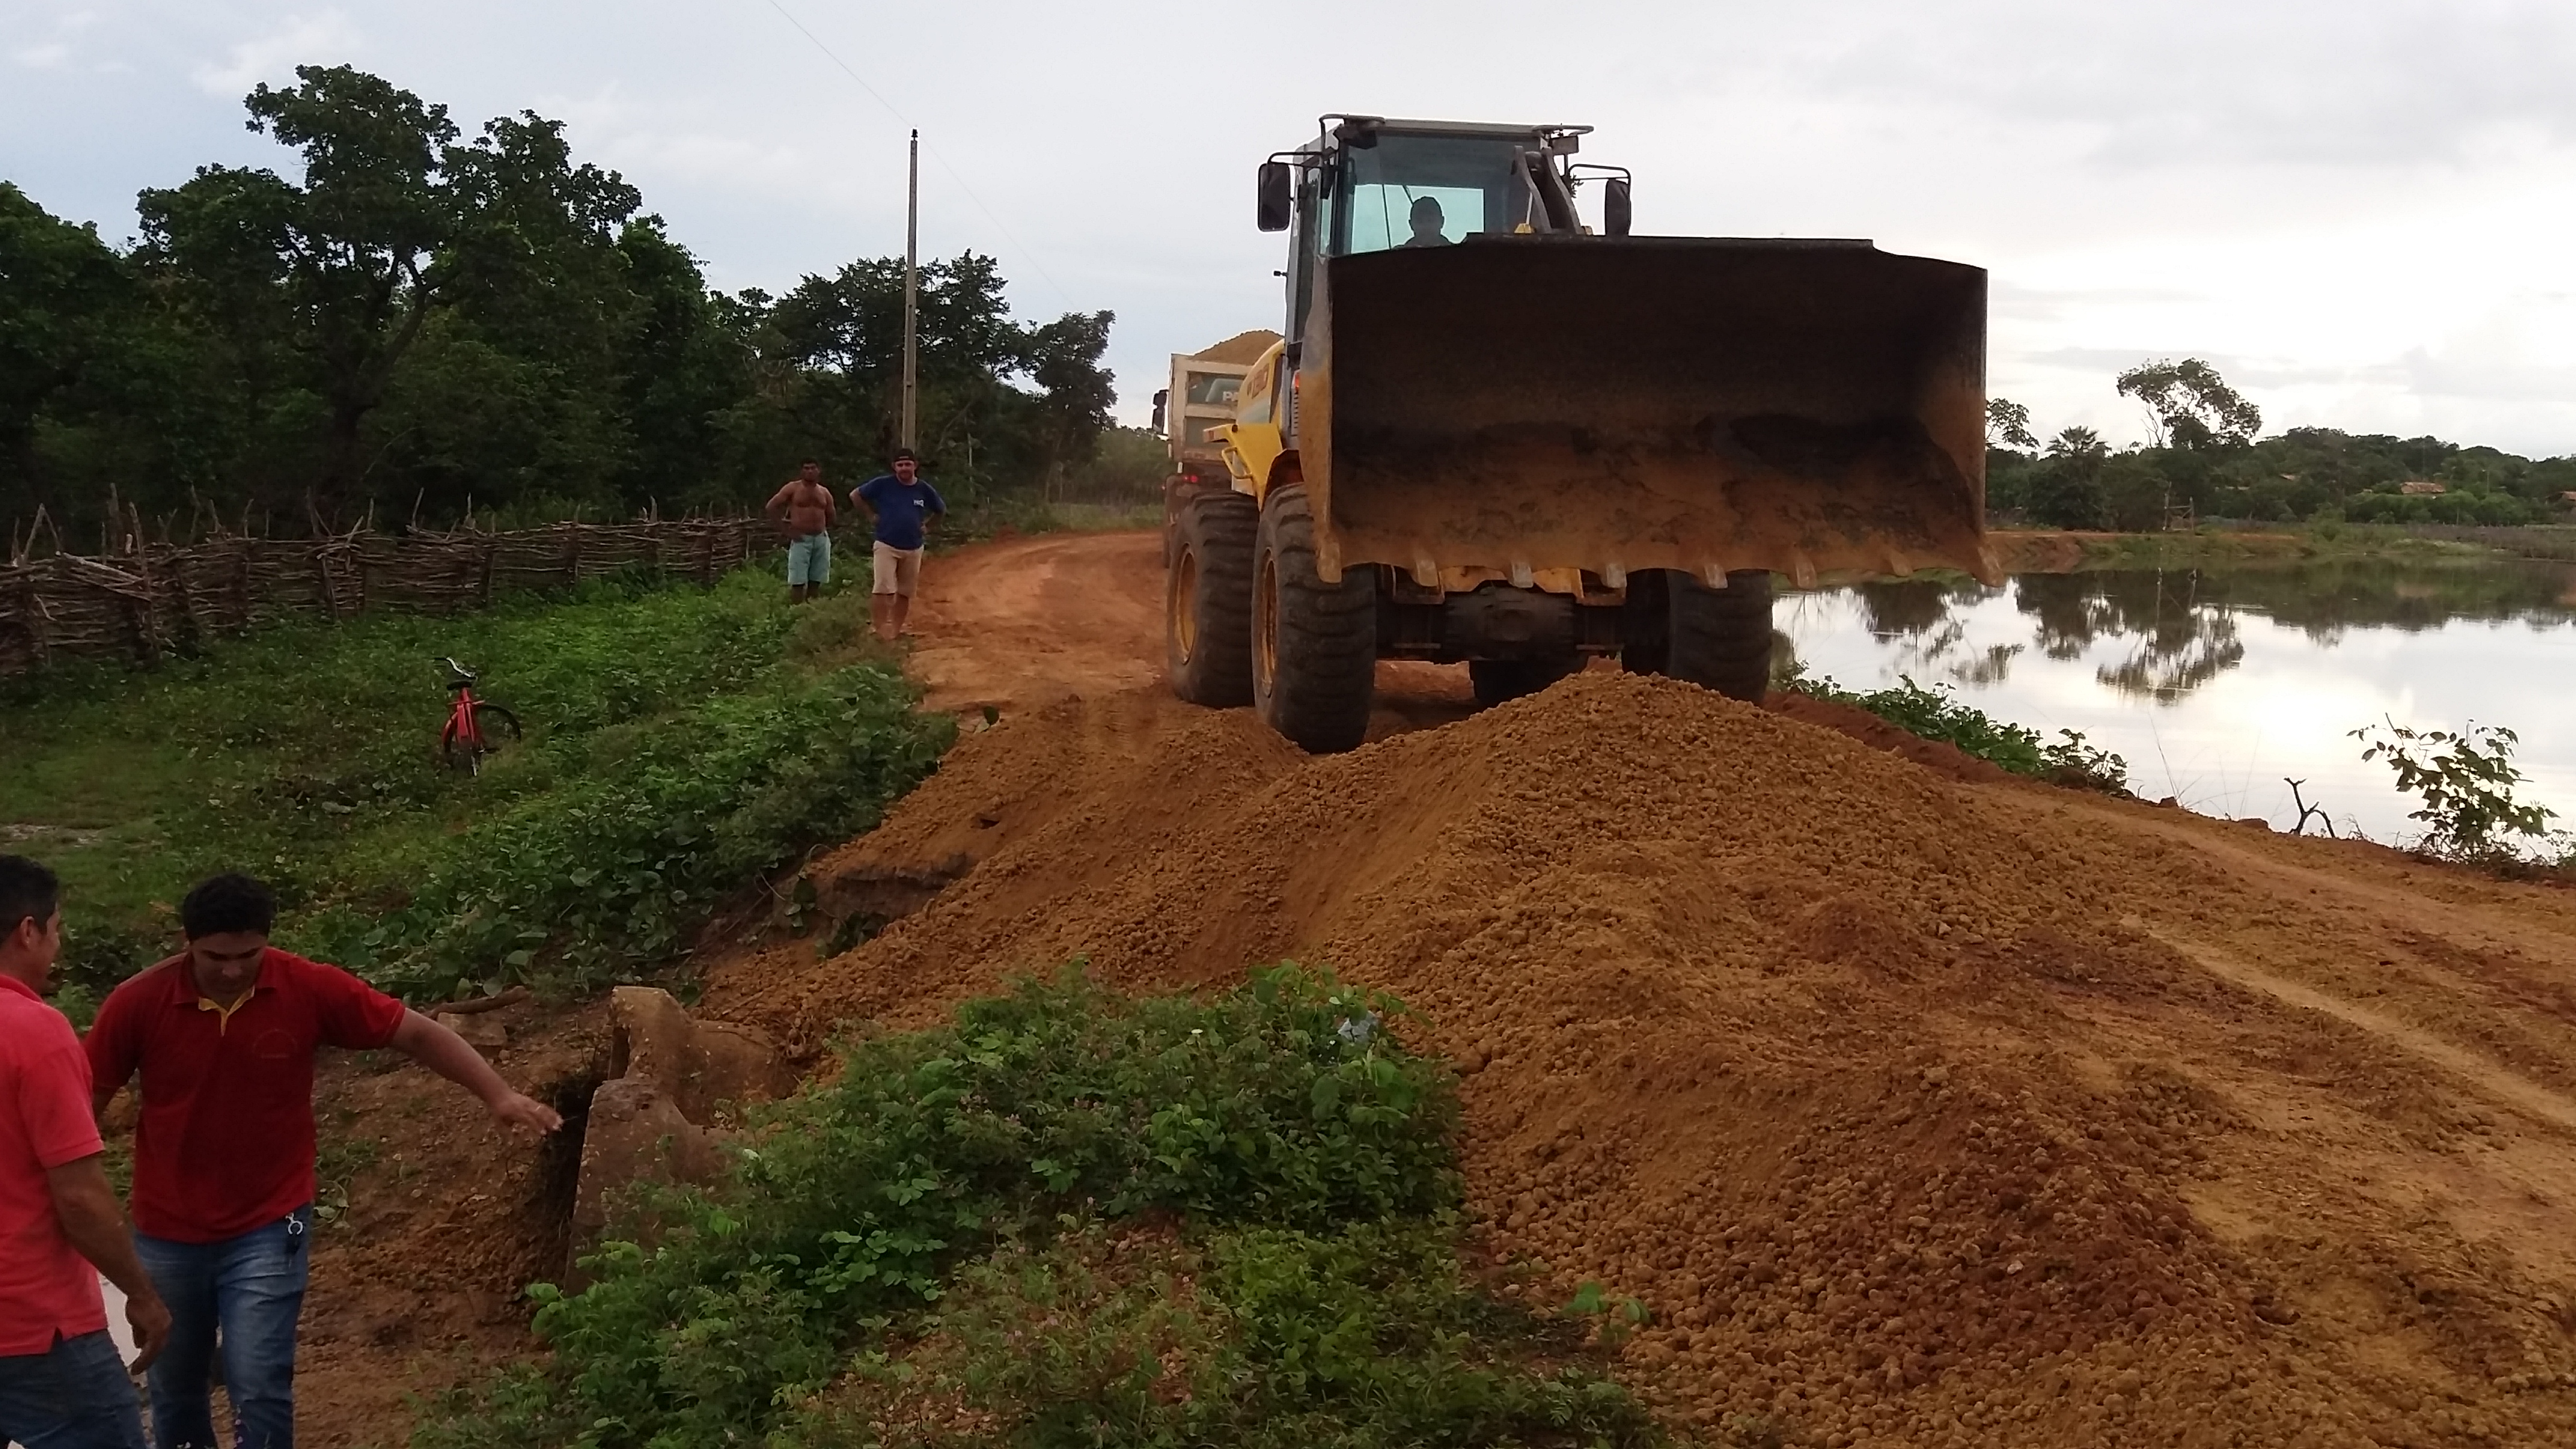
pixel 458 676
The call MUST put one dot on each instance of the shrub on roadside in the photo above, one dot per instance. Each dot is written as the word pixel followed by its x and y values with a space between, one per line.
pixel 990 1226
pixel 2468 781
pixel 1937 714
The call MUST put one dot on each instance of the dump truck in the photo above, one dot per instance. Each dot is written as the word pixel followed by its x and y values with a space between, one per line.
pixel 1492 433
pixel 1191 413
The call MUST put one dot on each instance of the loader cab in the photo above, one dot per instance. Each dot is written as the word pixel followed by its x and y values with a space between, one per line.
pixel 1371 184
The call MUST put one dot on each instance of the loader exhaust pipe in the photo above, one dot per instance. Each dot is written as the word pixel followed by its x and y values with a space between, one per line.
pixel 1815 408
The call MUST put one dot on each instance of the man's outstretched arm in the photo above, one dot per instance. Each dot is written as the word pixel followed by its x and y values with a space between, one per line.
pixel 452 1057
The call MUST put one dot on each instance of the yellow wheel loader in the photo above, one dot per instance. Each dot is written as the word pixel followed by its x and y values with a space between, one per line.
pixel 1490 433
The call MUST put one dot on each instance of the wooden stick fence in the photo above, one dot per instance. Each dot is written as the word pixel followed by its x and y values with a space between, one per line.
pixel 147 600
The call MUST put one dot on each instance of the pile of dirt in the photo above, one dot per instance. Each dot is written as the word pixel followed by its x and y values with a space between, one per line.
pixel 1919 1111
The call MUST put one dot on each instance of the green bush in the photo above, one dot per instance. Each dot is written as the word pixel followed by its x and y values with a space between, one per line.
pixel 2467 780
pixel 938 1179
pixel 1372 1338
pixel 1937 714
pixel 2459 506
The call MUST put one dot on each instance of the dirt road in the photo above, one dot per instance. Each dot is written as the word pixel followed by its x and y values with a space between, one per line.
pixel 1922 1108
pixel 1027 622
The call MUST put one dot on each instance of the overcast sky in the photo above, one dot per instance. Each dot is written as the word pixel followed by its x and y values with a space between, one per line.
pixel 2362 211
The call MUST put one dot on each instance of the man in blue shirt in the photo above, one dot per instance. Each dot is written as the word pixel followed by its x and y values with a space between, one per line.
pixel 903 503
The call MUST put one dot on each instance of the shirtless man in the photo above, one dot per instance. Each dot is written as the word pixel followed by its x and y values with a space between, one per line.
pixel 803 508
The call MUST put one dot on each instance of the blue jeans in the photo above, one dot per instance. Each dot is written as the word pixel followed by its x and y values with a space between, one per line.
pixel 251 1288
pixel 73 1396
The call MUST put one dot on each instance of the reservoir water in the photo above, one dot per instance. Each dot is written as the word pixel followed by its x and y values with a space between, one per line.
pixel 2219 684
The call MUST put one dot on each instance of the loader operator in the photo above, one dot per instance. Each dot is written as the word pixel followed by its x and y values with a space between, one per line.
pixel 1427 221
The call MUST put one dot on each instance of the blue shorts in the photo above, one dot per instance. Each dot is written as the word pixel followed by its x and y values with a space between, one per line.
pixel 809 560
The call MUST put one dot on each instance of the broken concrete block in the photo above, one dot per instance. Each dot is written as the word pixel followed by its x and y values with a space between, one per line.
pixel 696 1064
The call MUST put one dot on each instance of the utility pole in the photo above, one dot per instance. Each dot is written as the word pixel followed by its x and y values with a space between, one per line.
pixel 911 267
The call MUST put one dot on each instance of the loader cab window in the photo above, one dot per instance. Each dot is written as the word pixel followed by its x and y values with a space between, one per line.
pixel 1423 190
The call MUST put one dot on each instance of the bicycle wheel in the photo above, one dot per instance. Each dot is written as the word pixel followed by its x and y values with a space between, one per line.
pixel 495 725
pixel 457 751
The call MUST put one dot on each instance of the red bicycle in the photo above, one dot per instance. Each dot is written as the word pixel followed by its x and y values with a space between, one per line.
pixel 474 726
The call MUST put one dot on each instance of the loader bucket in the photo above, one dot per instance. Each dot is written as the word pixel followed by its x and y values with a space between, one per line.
pixel 1815 408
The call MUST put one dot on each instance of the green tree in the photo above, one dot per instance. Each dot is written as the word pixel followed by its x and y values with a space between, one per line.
pixel 347 266
pixel 2065 490
pixel 1075 392
pixel 63 293
pixel 2136 495
pixel 417 322
pixel 517 387
pixel 831 356
pixel 2190 406
pixel 2008 425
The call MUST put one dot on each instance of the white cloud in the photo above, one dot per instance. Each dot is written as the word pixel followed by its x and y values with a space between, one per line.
pixel 323 39
pixel 50 56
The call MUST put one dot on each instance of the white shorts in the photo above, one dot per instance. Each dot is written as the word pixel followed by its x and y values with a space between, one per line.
pixel 898 570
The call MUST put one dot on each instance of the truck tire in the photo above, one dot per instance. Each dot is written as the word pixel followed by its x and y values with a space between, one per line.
pixel 1498 680
pixel 1314 644
pixel 1717 638
pixel 1207 598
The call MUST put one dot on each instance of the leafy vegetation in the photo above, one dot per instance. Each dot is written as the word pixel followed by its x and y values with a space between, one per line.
pixel 681 742
pixel 1070 1218
pixel 2467 781
pixel 426 324
pixel 1938 714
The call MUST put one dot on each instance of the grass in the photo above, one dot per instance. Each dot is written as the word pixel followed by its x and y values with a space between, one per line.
pixel 680 741
pixel 1073 1218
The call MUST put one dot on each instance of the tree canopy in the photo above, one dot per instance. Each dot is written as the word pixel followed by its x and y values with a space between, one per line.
pixel 2205 456
pixel 404 319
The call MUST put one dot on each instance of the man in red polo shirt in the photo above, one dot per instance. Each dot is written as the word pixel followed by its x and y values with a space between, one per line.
pixel 62 1384
pixel 223 1152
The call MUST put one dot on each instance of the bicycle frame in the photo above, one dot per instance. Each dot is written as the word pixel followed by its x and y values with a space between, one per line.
pixel 462 726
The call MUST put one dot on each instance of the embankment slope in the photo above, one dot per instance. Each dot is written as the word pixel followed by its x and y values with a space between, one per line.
pixel 1920 1111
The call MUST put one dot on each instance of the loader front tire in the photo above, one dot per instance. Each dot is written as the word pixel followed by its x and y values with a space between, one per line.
pixel 1314 644
pixel 1207 599
pixel 1717 638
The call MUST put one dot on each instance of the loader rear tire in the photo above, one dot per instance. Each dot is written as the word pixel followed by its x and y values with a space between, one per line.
pixel 1207 599
pixel 1717 638
pixel 1499 680
pixel 1314 644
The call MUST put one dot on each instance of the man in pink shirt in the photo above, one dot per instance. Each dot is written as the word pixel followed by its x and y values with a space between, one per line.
pixel 62 1383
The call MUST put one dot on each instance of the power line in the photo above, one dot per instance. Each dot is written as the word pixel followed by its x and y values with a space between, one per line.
pixel 874 94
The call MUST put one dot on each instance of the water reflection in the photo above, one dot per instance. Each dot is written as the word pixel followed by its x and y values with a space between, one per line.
pixel 2175 630
pixel 2218 686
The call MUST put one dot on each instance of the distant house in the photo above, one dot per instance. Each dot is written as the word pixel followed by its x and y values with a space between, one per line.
pixel 2422 488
